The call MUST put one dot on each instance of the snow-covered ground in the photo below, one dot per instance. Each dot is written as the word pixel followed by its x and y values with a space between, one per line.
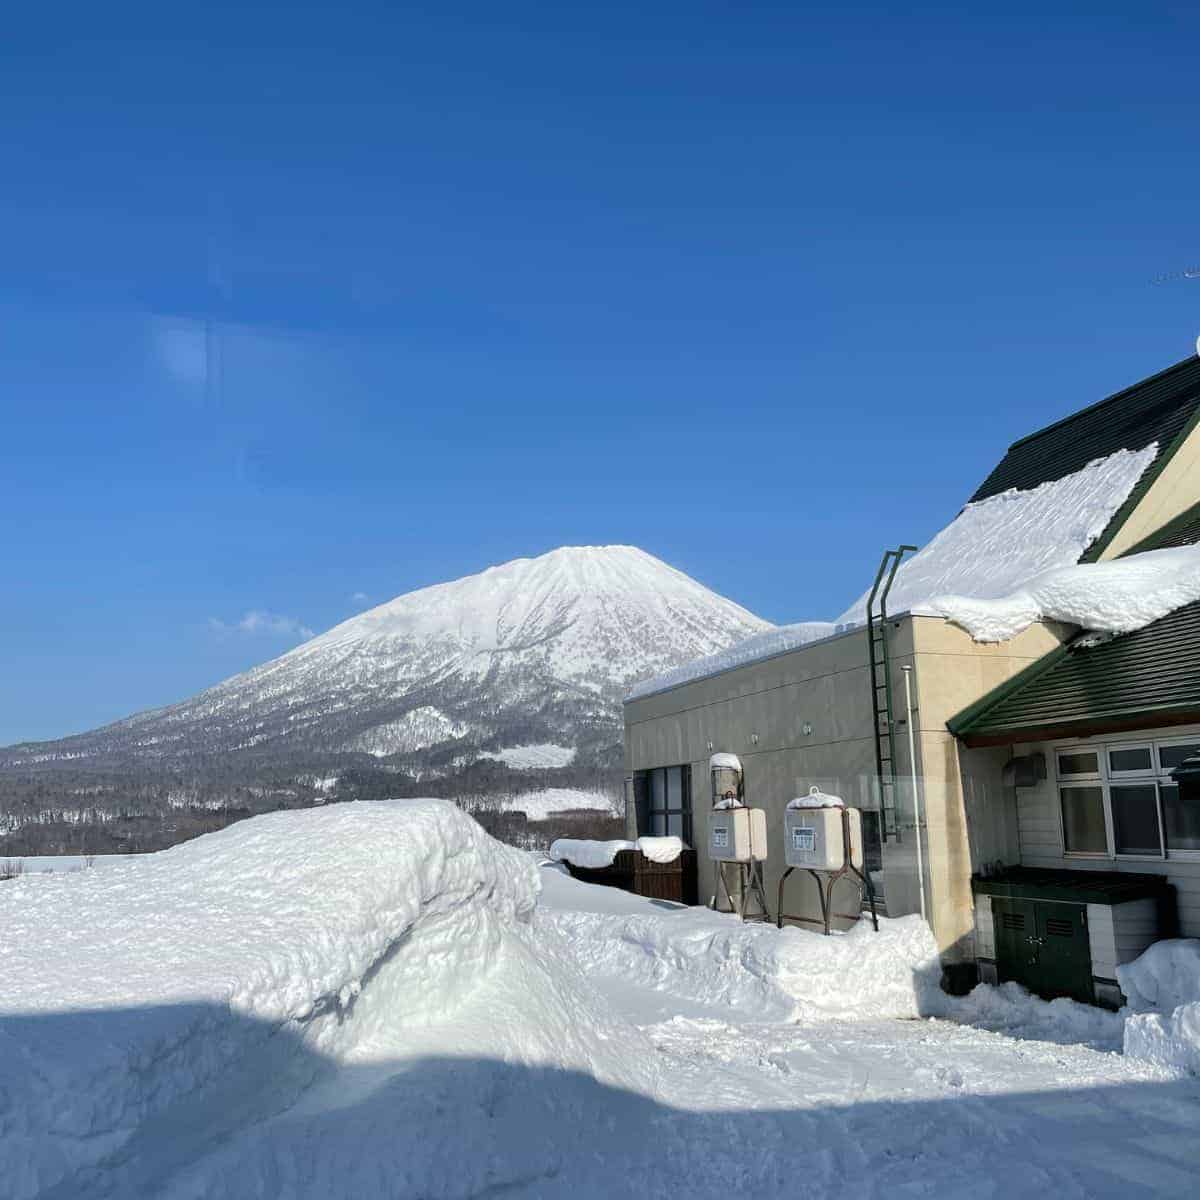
pixel 378 1000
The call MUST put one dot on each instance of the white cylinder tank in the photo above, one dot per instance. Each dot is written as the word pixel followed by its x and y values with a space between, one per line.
pixel 737 835
pixel 813 833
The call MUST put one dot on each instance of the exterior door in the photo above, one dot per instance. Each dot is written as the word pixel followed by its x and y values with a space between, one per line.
pixel 1044 947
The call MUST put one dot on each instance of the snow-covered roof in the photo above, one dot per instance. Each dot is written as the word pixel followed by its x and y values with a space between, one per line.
pixel 763 645
pixel 1118 596
pixel 994 545
pixel 988 552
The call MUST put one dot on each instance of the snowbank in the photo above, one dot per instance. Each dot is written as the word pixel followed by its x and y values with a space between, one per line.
pixel 161 1006
pixel 1009 1009
pixel 1110 597
pixel 993 546
pixel 1163 990
pixel 764 973
pixel 1164 976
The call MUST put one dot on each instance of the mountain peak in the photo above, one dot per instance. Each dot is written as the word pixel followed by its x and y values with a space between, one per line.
pixel 440 687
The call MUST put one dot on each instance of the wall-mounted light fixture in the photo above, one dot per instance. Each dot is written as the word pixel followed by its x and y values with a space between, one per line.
pixel 754 739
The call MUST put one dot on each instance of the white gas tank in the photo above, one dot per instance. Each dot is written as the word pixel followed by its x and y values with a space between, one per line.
pixel 737 835
pixel 812 827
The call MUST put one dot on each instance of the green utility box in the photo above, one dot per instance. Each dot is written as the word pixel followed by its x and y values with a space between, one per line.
pixel 1043 945
pixel 1065 932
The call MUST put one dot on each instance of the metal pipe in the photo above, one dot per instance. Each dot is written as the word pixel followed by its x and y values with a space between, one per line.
pixel 912 760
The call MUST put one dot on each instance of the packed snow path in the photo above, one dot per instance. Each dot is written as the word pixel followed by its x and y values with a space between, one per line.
pixel 595 1045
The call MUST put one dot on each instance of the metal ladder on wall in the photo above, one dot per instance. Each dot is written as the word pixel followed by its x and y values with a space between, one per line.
pixel 881 690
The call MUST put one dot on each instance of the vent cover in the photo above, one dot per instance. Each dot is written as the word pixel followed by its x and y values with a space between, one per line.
pixel 1060 926
pixel 1010 920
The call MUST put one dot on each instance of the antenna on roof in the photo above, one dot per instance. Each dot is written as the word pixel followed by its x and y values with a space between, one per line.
pixel 1172 276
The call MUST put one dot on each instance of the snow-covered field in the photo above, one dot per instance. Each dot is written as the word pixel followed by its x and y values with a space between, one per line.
pixel 546 802
pixel 533 758
pixel 378 1000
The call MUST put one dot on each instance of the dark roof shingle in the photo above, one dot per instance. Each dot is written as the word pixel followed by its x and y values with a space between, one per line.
pixel 1156 410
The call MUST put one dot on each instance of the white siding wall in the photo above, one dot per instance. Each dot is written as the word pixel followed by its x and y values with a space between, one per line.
pixel 1118 933
pixel 1039 834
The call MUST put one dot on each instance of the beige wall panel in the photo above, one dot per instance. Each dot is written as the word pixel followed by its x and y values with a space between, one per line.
pixel 1173 492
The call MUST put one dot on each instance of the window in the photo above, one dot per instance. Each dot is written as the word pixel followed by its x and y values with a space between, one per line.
pixel 1078 762
pixel 1135 818
pixel 1169 757
pixel 664 802
pixel 1083 820
pixel 1130 760
pixel 1121 800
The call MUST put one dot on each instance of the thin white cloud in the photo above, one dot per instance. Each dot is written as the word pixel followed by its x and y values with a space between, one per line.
pixel 257 622
pixel 182 348
pixel 360 598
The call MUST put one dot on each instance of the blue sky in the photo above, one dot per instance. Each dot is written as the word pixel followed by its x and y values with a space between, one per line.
pixel 760 288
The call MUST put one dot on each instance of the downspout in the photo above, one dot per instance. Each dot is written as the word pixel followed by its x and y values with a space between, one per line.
pixel 912 760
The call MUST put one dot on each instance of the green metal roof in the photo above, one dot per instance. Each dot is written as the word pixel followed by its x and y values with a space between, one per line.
pixel 1158 409
pixel 1080 887
pixel 1135 680
pixel 1148 677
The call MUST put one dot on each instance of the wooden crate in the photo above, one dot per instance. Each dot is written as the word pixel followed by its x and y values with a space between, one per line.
pixel 632 871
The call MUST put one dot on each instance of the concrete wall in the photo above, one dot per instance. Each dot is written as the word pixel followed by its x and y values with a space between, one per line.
pixel 795 720
pixel 1173 492
pixel 804 718
pixel 969 819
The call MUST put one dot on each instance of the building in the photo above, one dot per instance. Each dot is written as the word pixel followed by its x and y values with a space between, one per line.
pixel 1042 763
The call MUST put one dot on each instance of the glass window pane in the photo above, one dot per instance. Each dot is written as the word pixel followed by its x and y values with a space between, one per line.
pixel 674 787
pixel 1169 757
pixel 1083 820
pixel 1135 818
pixel 675 825
pixel 658 789
pixel 1181 816
pixel 1083 762
pixel 658 824
pixel 1136 759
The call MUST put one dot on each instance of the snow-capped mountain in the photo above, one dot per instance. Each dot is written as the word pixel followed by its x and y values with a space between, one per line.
pixel 443 686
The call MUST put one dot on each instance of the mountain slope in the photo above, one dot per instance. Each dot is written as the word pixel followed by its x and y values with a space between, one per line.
pixel 422 693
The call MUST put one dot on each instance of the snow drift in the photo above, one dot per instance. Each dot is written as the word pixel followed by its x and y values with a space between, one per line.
pixel 157 1007
pixel 1162 987
pixel 755 970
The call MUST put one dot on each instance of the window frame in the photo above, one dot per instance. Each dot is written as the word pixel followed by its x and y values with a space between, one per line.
pixel 1106 778
pixel 666 811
